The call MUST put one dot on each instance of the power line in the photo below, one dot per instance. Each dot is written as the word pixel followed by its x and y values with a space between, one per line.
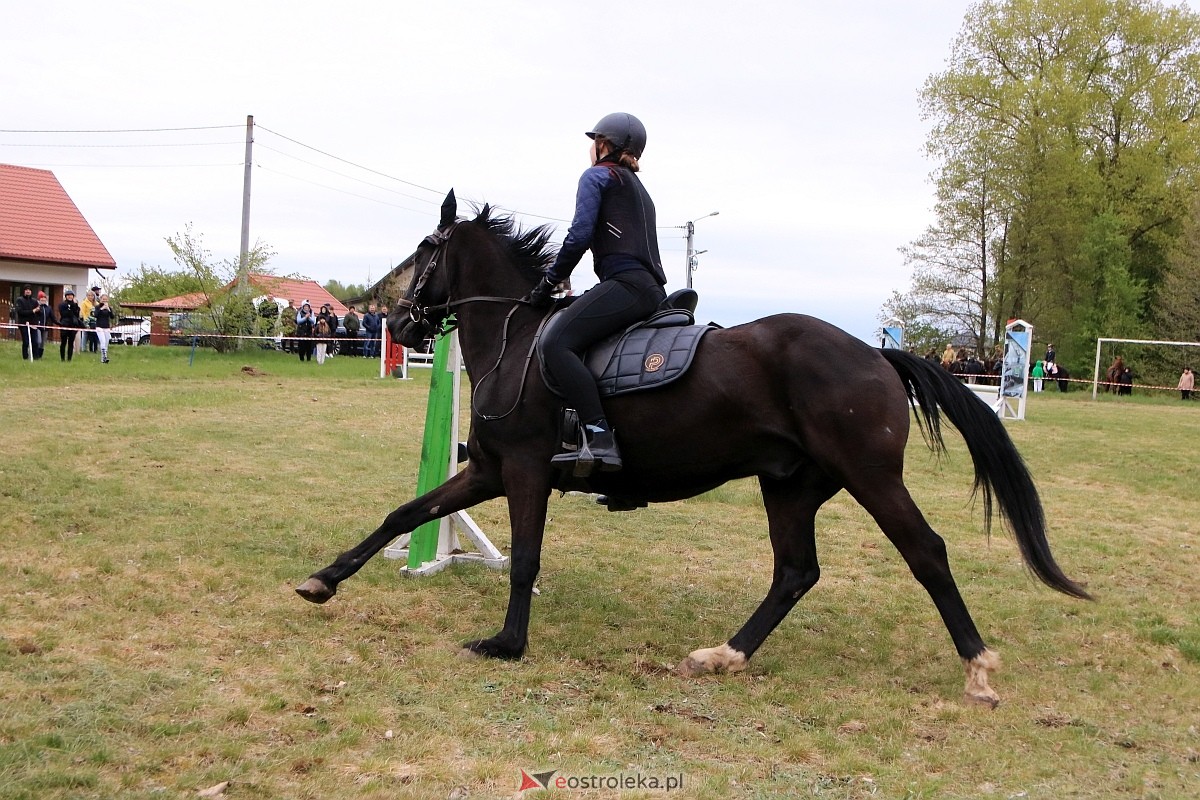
pixel 168 144
pixel 340 191
pixel 345 161
pixel 238 127
pixel 381 174
pixel 138 166
pixel 344 175
pixel 124 130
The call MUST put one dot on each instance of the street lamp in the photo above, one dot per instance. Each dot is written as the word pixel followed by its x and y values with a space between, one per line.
pixel 691 253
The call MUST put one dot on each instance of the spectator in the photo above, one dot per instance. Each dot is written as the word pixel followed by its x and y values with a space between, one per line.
pixel 1038 374
pixel 26 307
pixel 373 325
pixel 70 318
pixel 306 323
pixel 287 320
pixel 958 367
pixel 1187 382
pixel 949 356
pixel 973 369
pixel 90 340
pixel 104 316
pixel 43 318
pixel 350 323
pixel 323 334
pixel 1126 381
pixel 326 313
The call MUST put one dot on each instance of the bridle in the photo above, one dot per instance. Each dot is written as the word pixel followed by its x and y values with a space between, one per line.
pixel 418 313
pixel 421 315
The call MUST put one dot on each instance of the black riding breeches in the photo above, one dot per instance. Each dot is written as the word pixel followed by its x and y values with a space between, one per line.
pixel 606 308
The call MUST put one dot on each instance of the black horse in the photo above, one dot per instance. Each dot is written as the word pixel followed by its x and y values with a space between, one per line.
pixel 799 404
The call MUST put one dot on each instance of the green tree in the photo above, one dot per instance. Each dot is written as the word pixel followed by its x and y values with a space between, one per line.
pixel 923 330
pixel 147 284
pixel 231 312
pixel 1080 114
pixel 1178 312
pixel 345 292
pixel 953 270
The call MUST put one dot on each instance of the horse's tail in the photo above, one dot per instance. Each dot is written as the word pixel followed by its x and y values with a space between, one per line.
pixel 1000 472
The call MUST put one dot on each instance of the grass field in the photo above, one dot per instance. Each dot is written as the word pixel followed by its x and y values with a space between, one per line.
pixel 156 517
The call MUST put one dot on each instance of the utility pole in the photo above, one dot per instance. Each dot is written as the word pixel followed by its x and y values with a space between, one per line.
pixel 691 252
pixel 244 257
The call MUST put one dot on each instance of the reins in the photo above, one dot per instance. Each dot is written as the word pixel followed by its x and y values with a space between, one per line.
pixel 420 315
pixel 500 357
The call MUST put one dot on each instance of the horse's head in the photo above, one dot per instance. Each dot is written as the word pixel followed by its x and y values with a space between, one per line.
pixel 425 305
pixel 505 262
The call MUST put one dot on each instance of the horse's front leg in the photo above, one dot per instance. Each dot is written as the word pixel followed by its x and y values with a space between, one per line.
pixel 528 491
pixel 466 489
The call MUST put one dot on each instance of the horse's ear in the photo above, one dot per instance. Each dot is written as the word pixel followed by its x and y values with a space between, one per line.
pixel 483 214
pixel 449 210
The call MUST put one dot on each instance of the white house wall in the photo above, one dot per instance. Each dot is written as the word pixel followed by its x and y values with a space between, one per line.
pixel 49 274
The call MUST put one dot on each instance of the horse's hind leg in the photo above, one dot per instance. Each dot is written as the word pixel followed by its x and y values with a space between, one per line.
pixel 791 505
pixel 887 500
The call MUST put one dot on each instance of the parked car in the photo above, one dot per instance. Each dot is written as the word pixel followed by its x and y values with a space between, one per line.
pixel 344 347
pixel 130 331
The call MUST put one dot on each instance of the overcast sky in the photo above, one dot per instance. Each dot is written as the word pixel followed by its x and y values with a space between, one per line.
pixel 798 121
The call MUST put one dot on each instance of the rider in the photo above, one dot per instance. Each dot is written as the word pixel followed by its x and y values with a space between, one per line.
pixel 614 218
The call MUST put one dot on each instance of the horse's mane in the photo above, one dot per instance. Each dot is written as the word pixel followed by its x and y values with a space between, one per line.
pixel 529 249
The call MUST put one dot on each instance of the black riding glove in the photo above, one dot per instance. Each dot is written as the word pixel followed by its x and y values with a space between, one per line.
pixel 540 297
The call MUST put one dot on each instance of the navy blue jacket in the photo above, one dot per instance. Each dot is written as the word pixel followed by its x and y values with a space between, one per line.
pixel 614 218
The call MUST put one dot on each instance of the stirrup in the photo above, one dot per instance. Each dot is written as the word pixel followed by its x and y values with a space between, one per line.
pixel 582 462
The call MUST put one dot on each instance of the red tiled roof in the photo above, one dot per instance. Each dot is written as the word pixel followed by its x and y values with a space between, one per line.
pixel 39 222
pixel 282 288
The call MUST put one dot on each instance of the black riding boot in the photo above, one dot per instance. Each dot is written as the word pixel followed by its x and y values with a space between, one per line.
pixel 597 450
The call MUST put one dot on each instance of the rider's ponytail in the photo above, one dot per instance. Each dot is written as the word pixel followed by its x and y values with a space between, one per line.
pixel 622 157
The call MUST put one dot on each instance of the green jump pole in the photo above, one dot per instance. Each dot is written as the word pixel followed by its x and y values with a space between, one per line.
pixel 435 450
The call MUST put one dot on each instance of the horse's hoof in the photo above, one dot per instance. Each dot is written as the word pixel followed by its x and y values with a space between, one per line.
pixel 717 660
pixel 314 590
pixel 978 692
pixel 492 648
pixel 984 700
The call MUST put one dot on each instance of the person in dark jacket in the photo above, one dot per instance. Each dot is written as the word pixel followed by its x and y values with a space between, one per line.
pixel 1126 382
pixel 70 318
pixel 373 325
pixel 43 318
pixel 326 313
pixel 351 323
pixel 614 218
pixel 26 307
pixel 306 323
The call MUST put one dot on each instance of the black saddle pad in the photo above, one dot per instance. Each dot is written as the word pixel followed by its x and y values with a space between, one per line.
pixel 647 355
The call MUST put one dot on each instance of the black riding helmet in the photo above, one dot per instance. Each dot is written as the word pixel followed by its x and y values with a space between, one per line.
pixel 624 131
